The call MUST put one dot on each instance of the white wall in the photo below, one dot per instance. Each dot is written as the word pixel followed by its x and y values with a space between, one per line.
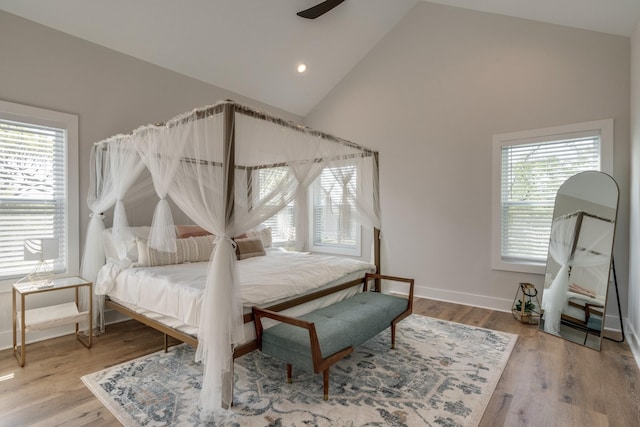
pixel 430 96
pixel 633 324
pixel 110 92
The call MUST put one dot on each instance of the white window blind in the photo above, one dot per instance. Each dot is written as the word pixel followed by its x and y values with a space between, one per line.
pixel 532 173
pixel 32 192
pixel 282 223
pixel 333 220
pixel 283 230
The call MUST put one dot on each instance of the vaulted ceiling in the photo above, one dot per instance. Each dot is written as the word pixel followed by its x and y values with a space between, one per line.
pixel 253 47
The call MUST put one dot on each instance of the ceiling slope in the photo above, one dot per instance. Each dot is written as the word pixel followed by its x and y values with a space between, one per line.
pixel 253 47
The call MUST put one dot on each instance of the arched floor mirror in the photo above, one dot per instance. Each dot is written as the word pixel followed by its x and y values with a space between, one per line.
pixel 580 258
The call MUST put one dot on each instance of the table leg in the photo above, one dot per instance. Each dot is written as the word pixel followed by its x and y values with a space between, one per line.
pixel 89 340
pixel 20 355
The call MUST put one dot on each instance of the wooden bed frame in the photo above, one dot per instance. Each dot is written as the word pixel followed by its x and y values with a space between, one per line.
pixel 245 348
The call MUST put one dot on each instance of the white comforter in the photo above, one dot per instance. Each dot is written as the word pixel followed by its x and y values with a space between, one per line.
pixel 177 290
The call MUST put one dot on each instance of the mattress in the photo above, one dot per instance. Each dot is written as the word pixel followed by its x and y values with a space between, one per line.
pixel 176 291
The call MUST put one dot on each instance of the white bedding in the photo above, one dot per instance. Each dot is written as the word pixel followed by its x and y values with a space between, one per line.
pixel 177 290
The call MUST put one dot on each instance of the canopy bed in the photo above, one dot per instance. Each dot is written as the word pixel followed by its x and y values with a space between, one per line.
pixel 229 168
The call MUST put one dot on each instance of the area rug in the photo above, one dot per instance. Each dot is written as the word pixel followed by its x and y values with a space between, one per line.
pixel 440 374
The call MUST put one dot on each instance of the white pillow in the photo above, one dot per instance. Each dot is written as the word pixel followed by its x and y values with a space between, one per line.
pixel 131 245
pixel 109 249
pixel 264 234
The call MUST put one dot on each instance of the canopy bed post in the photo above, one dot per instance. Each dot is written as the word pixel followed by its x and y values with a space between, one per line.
pixel 229 194
pixel 376 230
pixel 229 161
pixel 249 179
pixel 576 235
pixel 376 254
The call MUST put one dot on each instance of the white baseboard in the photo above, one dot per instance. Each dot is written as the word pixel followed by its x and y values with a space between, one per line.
pixel 112 316
pixel 6 337
pixel 612 323
pixel 633 340
pixel 482 301
pixel 498 304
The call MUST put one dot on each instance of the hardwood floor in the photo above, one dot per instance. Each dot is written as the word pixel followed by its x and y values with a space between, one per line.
pixel 547 382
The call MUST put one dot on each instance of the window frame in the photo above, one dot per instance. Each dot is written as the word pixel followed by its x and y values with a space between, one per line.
pixel 68 122
pixel 605 128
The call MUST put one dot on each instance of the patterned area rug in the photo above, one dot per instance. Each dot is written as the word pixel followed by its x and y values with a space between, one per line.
pixel 440 374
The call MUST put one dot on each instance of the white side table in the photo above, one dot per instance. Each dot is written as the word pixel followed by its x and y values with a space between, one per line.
pixel 51 316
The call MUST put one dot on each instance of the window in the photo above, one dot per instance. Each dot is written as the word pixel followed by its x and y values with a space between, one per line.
pixel 333 225
pixel 529 167
pixel 38 191
pixel 282 224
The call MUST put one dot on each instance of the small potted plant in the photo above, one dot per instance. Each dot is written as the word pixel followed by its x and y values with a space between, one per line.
pixel 529 311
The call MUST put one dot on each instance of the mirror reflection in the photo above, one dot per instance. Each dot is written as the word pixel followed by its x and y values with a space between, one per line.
pixel 579 258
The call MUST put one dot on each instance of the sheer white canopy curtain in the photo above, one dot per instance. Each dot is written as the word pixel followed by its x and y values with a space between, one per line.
pixel 115 168
pixel 229 168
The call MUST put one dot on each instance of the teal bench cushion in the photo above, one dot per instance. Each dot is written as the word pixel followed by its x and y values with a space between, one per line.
pixel 595 322
pixel 348 323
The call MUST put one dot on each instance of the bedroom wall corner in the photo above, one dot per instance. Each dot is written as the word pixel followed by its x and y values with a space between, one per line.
pixel 633 302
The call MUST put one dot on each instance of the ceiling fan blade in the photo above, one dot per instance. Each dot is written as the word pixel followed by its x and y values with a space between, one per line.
pixel 319 9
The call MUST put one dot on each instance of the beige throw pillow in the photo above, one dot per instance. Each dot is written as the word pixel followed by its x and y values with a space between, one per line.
pixel 191 249
pixel 249 247
pixel 196 249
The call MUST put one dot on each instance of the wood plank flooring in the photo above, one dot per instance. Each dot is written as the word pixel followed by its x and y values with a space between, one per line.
pixel 547 382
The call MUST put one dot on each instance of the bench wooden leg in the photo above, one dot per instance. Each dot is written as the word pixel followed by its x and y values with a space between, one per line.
pixel 325 383
pixel 393 335
pixel 289 369
pixel 166 343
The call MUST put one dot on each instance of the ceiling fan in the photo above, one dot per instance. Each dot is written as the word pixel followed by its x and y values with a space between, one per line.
pixel 319 9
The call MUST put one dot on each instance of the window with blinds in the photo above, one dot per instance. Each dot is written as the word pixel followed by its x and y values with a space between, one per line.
pixel 32 193
pixel 531 167
pixel 283 231
pixel 333 225
pixel 531 177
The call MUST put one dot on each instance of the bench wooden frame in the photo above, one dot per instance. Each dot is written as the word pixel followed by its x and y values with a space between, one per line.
pixel 321 364
pixel 580 324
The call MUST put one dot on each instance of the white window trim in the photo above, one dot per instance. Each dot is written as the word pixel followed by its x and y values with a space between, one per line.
pixel 603 127
pixel 334 249
pixel 69 122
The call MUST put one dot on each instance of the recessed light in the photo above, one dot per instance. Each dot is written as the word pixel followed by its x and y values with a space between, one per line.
pixel 302 68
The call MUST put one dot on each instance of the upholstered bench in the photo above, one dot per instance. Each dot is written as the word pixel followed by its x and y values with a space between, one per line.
pixel 317 340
